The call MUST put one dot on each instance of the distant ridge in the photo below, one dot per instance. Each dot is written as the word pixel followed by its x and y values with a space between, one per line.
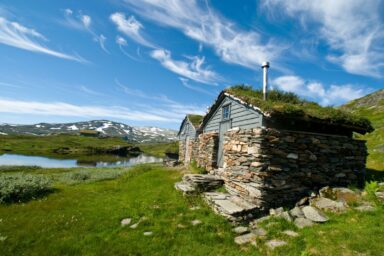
pixel 371 106
pixel 105 127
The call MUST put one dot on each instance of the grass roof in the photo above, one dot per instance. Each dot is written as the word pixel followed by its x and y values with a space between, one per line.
pixel 289 105
pixel 195 119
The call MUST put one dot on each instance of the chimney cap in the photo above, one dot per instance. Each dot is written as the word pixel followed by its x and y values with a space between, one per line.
pixel 265 64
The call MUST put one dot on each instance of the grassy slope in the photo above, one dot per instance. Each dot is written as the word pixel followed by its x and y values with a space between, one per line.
pixel 375 139
pixel 37 145
pixel 85 219
pixel 159 149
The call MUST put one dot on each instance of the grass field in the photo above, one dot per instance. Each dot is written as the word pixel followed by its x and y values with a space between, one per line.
pixel 83 218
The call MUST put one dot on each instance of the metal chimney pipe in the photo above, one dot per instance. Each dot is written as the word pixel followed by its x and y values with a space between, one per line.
pixel 265 66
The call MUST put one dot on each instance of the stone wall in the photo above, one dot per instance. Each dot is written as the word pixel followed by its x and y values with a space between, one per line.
pixel 193 150
pixel 272 167
pixel 207 150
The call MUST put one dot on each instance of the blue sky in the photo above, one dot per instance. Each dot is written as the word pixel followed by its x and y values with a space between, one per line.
pixel 150 62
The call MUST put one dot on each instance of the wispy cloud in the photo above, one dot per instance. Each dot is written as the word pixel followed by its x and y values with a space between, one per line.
pixel 87 90
pixel 314 90
pixel 185 83
pixel 83 22
pixel 353 29
pixel 193 70
pixel 205 25
pixel 163 105
pixel 16 35
pixel 131 28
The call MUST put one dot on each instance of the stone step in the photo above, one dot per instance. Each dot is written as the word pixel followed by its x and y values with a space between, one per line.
pixel 203 182
pixel 230 206
pixel 185 187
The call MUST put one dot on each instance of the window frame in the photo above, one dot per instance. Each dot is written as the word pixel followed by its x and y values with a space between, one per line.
pixel 227 106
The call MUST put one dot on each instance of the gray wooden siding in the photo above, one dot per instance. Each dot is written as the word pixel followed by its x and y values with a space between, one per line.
pixel 241 116
pixel 187 130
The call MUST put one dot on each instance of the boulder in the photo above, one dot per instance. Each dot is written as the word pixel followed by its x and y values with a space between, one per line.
pixel 314 214
pixel 326 204
pixel 303 222
pixel 276 211
pixel 297 212
pixel 259 232
pixel 365 208
pixel 339 194
pixel 380 195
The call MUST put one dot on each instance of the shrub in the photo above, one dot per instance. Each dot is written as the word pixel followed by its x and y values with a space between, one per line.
pixel 80 175
pixel 371 188
pixel 22 187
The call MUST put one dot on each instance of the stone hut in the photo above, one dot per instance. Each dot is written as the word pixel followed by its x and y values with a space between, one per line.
pixel 188 134
pixel 272 153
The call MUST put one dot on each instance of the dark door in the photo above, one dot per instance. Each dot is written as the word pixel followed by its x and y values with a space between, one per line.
pixel 224 126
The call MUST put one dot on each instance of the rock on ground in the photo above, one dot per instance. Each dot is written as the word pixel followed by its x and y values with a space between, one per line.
pixel 326 204
pixel 259 232
pixel 272 244
pixel 303 222
pixel 125 221
pixel 240 230
pixel 365 208
pixel 244 239
pixel 148 233
pixel 196 222
pixel 290 233
pixel 297 212
pixel 314 214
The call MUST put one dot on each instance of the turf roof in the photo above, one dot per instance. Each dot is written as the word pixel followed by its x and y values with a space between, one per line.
pixel 195 119
pixel 289 105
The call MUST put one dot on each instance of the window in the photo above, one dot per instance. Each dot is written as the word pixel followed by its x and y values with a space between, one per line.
pixel 226 112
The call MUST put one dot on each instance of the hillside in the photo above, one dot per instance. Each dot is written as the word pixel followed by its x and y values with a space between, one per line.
pixel 105 127
pixel 372 107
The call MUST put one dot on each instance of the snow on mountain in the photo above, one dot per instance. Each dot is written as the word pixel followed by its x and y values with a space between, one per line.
pixel 105 127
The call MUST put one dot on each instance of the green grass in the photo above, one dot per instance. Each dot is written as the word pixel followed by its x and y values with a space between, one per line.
pixel 159 149
pixel 195 119
pixel 375 139
pixel 57 144
pixel 288 104
pixel 84 219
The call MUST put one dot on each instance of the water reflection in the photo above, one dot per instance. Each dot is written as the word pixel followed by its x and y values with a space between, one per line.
pixel 46 162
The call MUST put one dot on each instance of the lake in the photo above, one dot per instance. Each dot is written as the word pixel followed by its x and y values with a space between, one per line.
pixel 48 162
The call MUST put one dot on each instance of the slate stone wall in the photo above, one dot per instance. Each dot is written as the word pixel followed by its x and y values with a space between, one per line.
pixel 193 145
pixel 207 150
pixel 272 168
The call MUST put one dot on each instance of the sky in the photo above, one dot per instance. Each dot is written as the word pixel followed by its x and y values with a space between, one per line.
pixel 150 62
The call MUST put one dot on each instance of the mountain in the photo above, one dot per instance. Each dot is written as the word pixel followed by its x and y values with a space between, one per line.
pixel 105 127
pixel 372 107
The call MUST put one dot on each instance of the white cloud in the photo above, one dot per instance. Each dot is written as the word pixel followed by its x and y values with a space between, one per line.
pixel 87 90
pixel 83 22
pixel 86 20
pixel 121 41
pixel 333 95
pixel 353 29
pixel 193 70
pixel 232 44
pixel 19 36
pixel 130 27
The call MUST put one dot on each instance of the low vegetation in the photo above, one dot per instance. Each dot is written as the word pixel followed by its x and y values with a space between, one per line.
pixel 195 119
pixel 20 187
pixel 83 217
pixel 289 104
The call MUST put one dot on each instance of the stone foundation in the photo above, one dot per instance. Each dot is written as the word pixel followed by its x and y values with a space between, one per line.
pixel 271 168
pixel 207 150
